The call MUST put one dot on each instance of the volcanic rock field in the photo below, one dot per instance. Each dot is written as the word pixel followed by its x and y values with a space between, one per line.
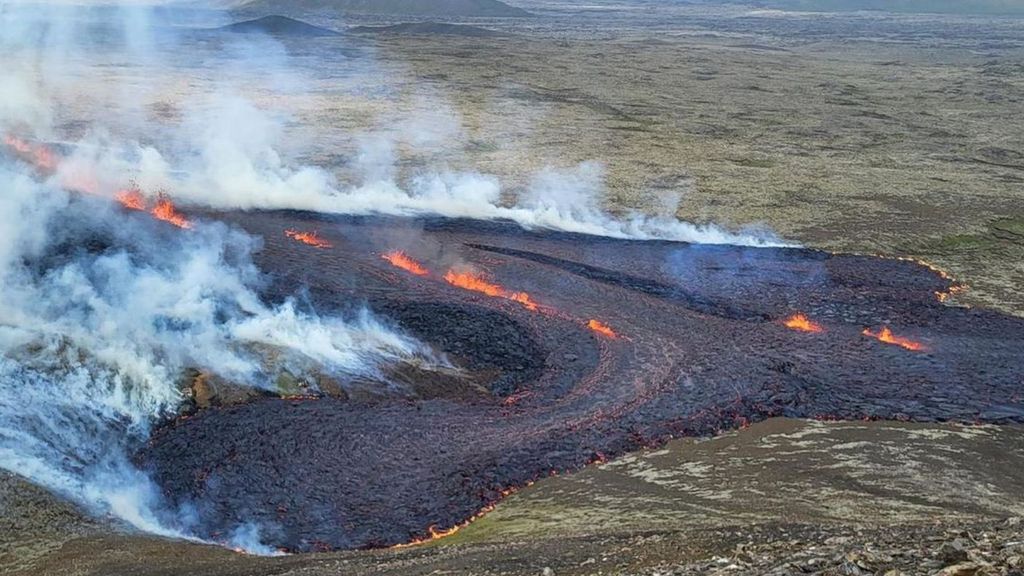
pixel 563 349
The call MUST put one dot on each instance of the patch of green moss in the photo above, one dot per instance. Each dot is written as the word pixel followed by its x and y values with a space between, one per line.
pixel 961 242
pixel 753 162
pixel 509 522
pixel 630 128
pixel 481 146
pixel 288 385
pixel 1014 226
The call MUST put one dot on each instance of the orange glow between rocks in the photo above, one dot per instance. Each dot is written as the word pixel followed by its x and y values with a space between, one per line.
pixel 401 260
pixel 802 323
pixel 310 238
pixel 433 533
pixel 888 337
pixel 524 299
pixel 38 155
pixel 474 282
pixel 601 328
pixel 132 199
pixel 165 210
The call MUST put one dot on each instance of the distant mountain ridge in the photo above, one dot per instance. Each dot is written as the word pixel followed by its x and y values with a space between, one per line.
pixel 904 6
pixel 278 26
pixel 427 28
pixel 428 8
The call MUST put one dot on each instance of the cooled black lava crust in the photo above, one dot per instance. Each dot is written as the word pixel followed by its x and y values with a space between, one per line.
pixel 701 348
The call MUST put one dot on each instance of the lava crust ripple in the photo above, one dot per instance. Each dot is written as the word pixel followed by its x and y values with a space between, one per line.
pixel 699 346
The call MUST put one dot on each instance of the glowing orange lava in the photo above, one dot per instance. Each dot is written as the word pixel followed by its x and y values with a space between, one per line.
pixel 403 261
pixel 311 238
pixel 802 323
pixel 888 337
pixel 38 155
pixel 601 328
pixel 165 210
pixel 131 198
pixel 524 299
pixel 433 533
pixel 950 292
pixel 473 282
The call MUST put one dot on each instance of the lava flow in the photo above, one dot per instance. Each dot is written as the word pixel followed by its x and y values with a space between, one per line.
pixel 165 210
pixel 706 351
pixel 524 299
pixel 131 198
pixel 944 296
pixel 38 155
pixel 311 238
pixel 802 323
pixel 401 260
pixel 46 160
pixel 888 337
pixel 433 533
pixel 601 328
pixel 473 282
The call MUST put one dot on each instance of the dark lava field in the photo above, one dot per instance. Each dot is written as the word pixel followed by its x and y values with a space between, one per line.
pixel 585 348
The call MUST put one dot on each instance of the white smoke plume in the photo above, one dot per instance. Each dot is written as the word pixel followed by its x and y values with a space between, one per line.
pixel 237 166
pixel 94 342
pixel 101 313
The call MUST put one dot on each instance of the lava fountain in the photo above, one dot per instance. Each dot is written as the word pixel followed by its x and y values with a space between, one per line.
pixel 802 323
pixel 166 211
pixel 131 198
pixel 400 259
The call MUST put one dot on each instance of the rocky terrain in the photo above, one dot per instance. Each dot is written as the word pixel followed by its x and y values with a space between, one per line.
pixel 866 133
pixel 695 343
pixel 783 496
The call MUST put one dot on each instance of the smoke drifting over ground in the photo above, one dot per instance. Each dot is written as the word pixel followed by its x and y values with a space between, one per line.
pixel 225 151
pixel 103 311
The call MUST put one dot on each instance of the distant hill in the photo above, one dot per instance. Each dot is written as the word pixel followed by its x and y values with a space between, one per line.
pixel 423 8
pixel 278 26
pixel 427 28
pixel 906 6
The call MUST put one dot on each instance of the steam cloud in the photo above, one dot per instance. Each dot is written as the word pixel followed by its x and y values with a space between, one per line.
pixel 238 167
pixel 101 313
pixel 95 340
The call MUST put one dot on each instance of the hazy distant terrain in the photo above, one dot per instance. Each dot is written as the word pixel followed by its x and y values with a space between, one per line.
pixel 919 6
pixel 278 25
pixel 433 8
